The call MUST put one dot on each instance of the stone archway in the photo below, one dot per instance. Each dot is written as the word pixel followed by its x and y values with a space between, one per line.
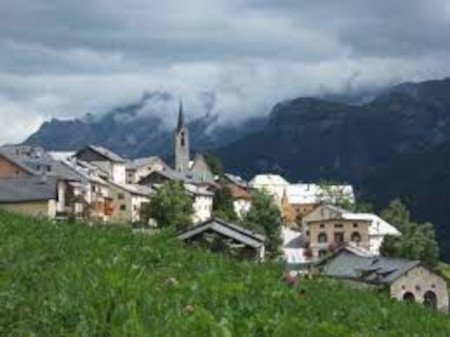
pixel 430 299
pixel 409 297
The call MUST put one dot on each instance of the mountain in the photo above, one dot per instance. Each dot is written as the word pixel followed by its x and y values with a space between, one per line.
pixel 397 145
pixel 140 129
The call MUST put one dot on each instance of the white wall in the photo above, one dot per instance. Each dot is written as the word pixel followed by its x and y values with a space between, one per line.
pixel 118 174
pixel 241 207
pixel 202 206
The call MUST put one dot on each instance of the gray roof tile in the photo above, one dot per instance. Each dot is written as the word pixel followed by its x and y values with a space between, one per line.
pixel 33 188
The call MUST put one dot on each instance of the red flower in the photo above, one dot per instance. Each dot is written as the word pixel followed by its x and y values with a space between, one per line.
pixel 289 280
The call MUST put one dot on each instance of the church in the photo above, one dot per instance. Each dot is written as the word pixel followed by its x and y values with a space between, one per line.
pixel 197 169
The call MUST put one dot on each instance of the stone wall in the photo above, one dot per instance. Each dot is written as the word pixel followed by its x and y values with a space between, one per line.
pixel 419 281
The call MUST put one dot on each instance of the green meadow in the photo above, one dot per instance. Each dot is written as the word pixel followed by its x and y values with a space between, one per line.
pixel 59 279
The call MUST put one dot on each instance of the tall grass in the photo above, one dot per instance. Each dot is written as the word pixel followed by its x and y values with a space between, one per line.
pixel 69 280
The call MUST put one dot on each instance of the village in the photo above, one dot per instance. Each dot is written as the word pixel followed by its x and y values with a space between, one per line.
pixel 319 235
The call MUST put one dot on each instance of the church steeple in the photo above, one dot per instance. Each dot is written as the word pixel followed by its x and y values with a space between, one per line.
pixel 181 143
pixel 180 116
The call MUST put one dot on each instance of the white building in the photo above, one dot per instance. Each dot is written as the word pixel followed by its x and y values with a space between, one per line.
pixel 298 194
pixel 378 229
pixel 202 202
pixel 139 168
pixel 272 183
pixel 106 160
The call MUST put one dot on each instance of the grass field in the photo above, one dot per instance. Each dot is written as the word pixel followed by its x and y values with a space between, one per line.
pixel 69 280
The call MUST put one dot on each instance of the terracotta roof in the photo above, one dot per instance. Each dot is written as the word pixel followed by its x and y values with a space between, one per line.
pixel 239 192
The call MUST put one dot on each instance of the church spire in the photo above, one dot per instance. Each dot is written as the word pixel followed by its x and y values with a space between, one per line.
pixel 181 143
pixel 180 116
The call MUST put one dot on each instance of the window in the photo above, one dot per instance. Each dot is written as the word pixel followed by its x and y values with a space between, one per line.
pixel 355 225
pixel 322 238
pixel 356 237
pixel 338 226
pixel 338 237
pixel 322 225
pixel 322 253
pixel 182 139
pixel 123 207
pixel 17 172
pixel 121 196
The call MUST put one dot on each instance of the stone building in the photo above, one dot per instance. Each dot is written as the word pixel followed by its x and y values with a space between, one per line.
pixel 406 280
pixel 301 199
pixel 328 227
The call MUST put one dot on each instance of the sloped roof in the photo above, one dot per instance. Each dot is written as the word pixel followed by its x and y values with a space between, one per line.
pixel 22 189
pixel 375 270
pixel 314 193
pixel 268 179
pixel 135 189
pixel 236 180
pixel 378 225
pixel 171 174
pixel 227 229
pixel 141 162
pixel 107 153
pixel 238 192
pixel 37 161
pixel 29 158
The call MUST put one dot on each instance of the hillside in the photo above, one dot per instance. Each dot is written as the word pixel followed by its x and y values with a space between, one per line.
pixel 66 279
pixel 397 145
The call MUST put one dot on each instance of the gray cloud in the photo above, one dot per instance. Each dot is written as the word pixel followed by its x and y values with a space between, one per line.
pixel 66 58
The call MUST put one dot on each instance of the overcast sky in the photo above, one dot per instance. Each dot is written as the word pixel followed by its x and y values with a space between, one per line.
pixel 64 58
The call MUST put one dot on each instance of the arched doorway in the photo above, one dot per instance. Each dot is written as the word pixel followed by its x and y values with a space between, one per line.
pixel 430 299
pixel 408 297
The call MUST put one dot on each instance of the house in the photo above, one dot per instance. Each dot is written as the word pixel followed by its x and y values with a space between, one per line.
pixel 300 199
pixel 111 163
pixel 126 202
pixel 95 189
pixel 240 193
pixel 41 196
pixel 272 183
pixel 141 167
pixel 406 280
pixel 222 236
pixel 295 248
pixel 202 202
pixel 200 169
pixel 25 161
pixel 328 226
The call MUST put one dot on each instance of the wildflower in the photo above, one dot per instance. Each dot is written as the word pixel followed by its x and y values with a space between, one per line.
pixel 171 282
pixel 289 280
pixel 189 309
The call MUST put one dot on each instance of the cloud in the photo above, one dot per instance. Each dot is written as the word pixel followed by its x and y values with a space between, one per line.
pixel 237 58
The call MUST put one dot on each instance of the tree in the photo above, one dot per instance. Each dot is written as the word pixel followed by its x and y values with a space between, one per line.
pixel 336 194
pixel 215 165
pixel 223 204
pixel 418 241
pixel 265 217
pixel 170 207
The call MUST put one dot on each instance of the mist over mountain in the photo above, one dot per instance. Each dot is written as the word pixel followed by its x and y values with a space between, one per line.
pixel 397 145
pixel 143 128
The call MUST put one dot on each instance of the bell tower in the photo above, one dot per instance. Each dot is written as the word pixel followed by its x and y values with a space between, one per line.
pixel 181 143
